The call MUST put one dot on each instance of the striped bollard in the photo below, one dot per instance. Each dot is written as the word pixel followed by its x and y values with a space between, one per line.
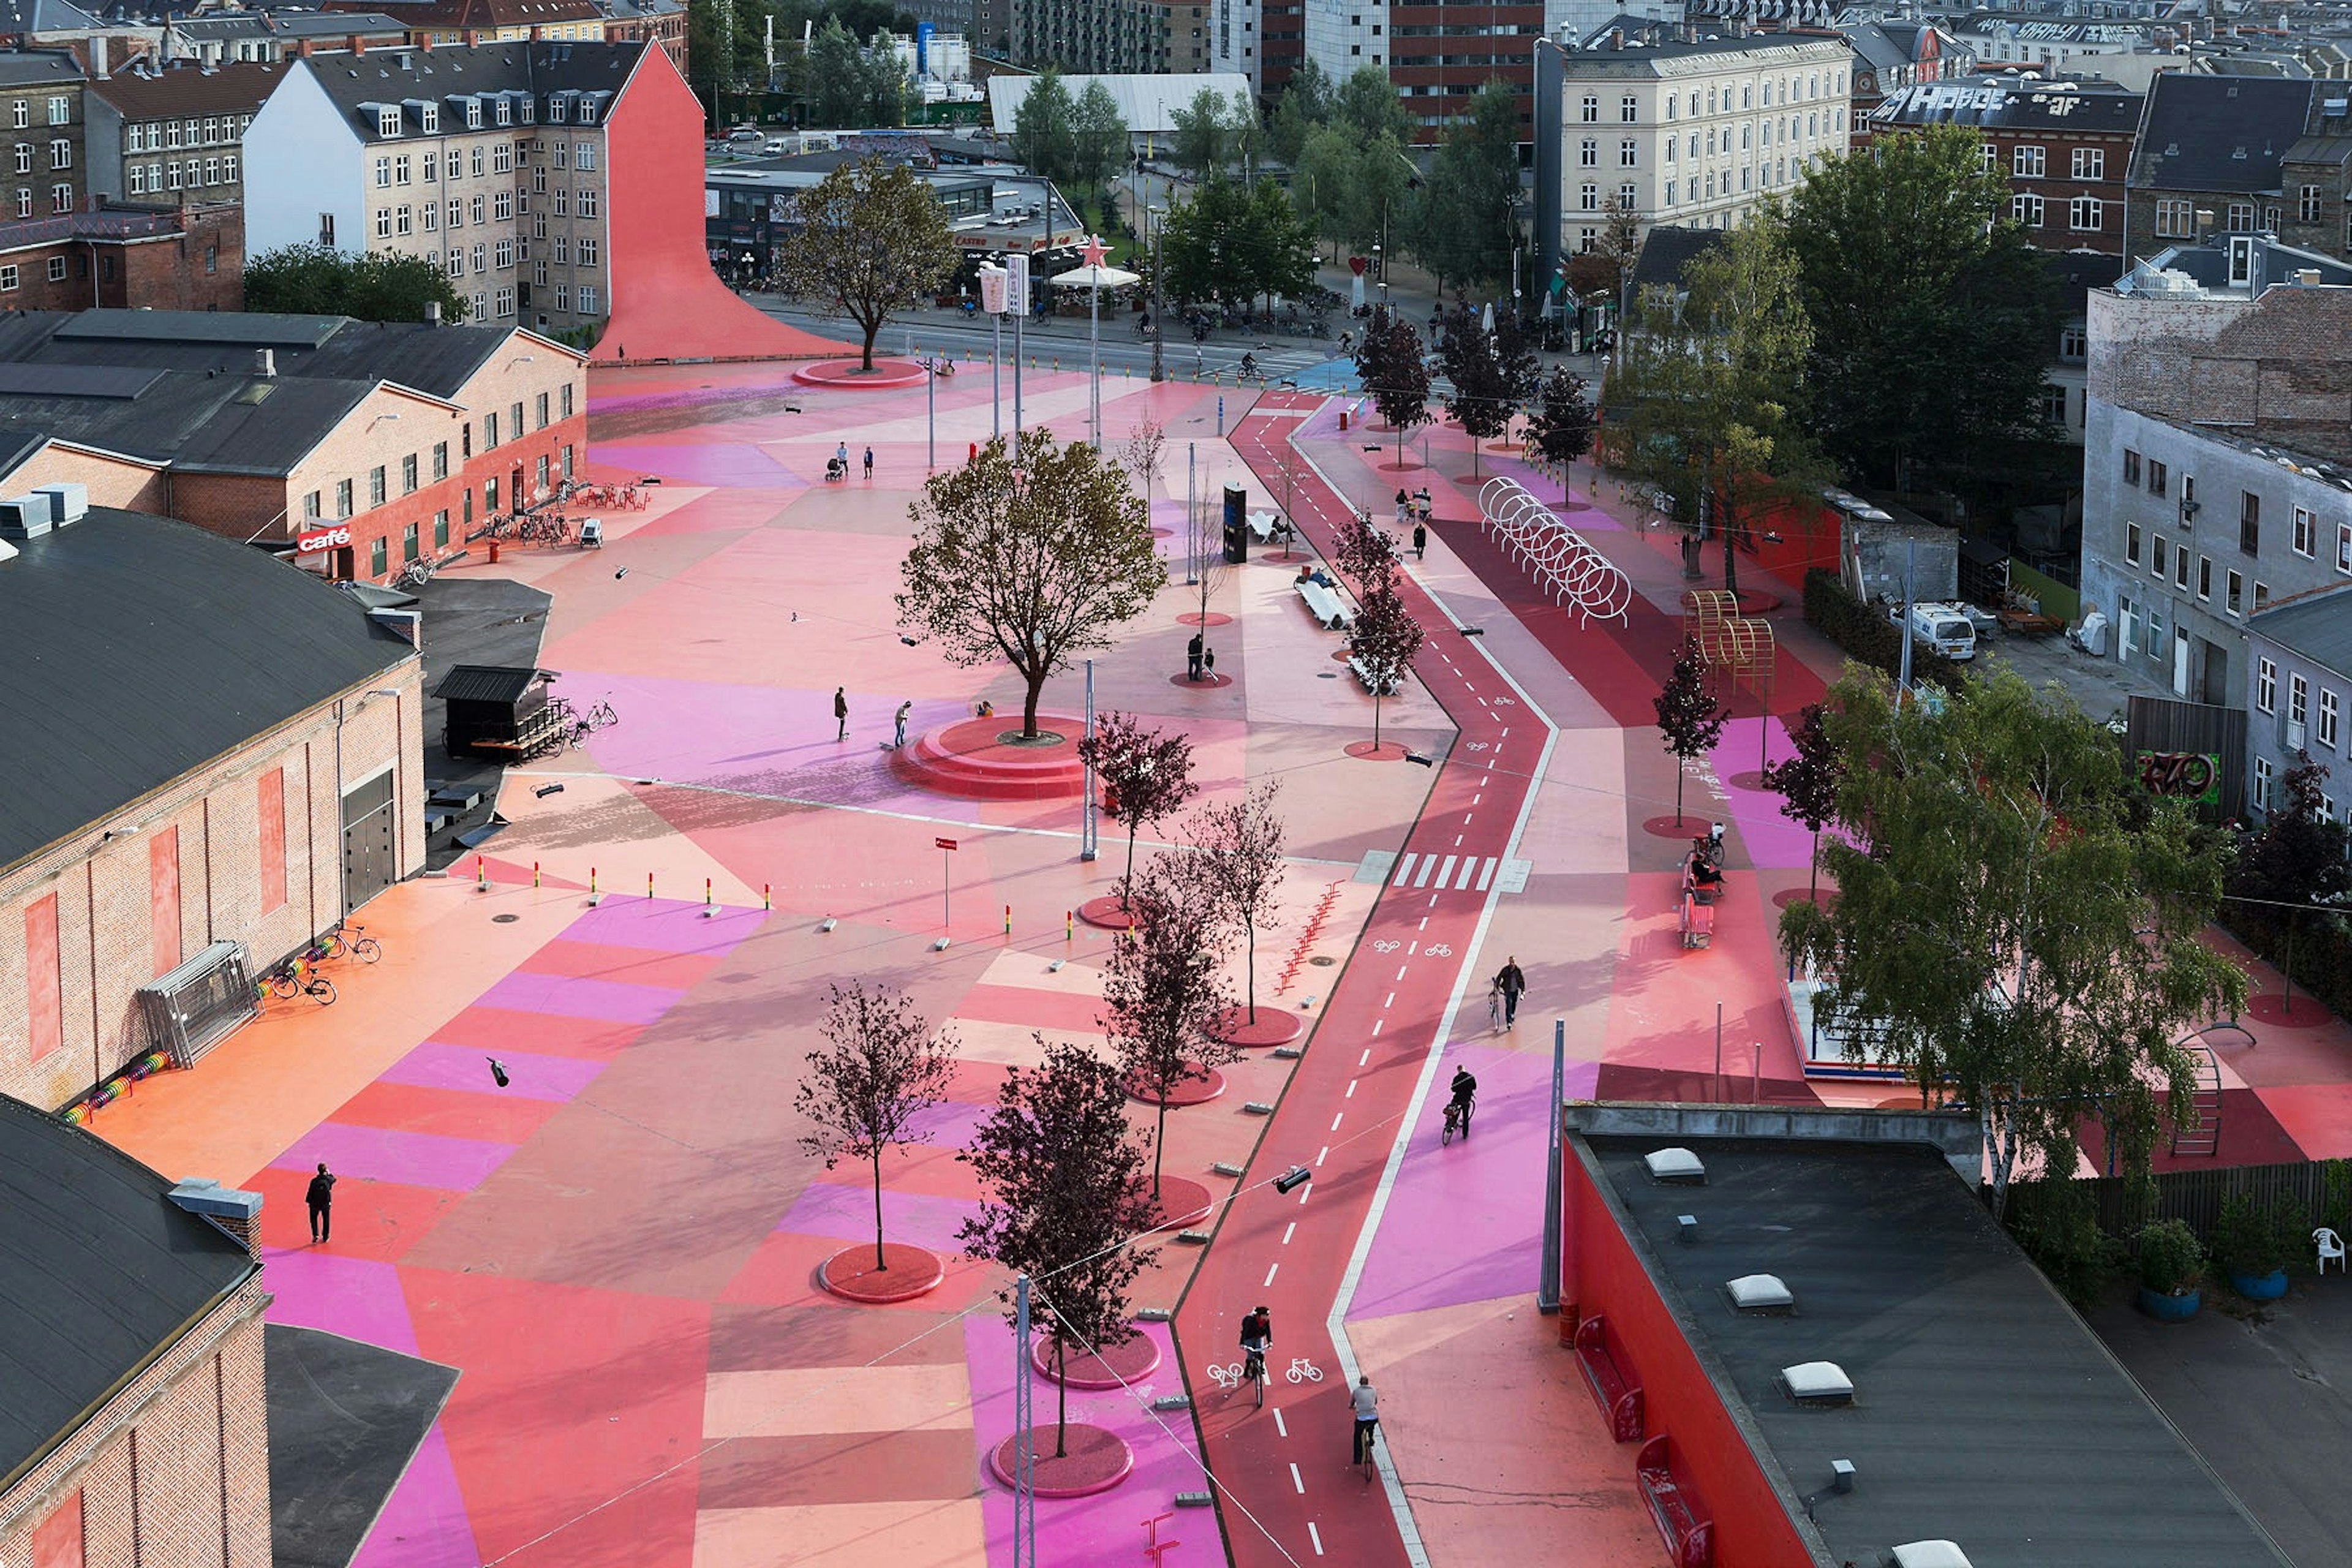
pixel 765 902
pixel 534 873
pixel 594 898
pixel 481 876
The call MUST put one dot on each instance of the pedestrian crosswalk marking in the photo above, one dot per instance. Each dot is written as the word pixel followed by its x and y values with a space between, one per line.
pixel 1450 873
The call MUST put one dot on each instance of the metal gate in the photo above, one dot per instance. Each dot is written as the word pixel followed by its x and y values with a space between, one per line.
pixel 370 865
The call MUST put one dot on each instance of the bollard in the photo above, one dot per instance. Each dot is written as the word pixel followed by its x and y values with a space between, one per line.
pixel 481 876
pixel 594 898
pixel 649 884
pixel 1069 925
pixel 1008 919
pixel 534 873
pixel 710 910
pixel 765 902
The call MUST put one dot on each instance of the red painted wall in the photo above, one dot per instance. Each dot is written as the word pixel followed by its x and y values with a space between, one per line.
pixel 272 805
pixel 163 900
pixel 666 302
pixel 56 1540
pixel 1601 1274
pixel 44 981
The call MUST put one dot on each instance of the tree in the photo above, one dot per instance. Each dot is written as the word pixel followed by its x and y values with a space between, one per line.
pixel 1463 224
pixel 872 240
pixel 1808 782
pixel 1164 995
pixel 1277 253
pixel 1100 139
pixel 1046 128
pixel 2297 860
pixel 2017 924
pixel 1241 863
pixel 1029 564
pixel 1690 720
pixel 1563 425
pixel 1352 181
pixel 1705 396
pixel 1932 313
pixel 836 77
pixel 1142 453
pixel 1365 552
pixel 882 85
pixel 1383 639
pixel 1064 1201
pixel 720 61
pixel 1366 104
pixel 1145 774
pixel 1305 107
pixel 1492 374
pixel 1619 244
pixel 1390 362
pixel 881 1068
pixel 1203 135
pixel 1202 241
pixel 319 280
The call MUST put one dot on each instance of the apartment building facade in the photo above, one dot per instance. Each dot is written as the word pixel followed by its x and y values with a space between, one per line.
pixel 2211 158
pixel 2064 147
pixel 2298 690
pixel 173 132
pixel 489 161
pixel 1695 133
pixel 41 116
pixel 1438 56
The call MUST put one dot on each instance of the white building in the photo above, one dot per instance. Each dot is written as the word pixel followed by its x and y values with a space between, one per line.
pixel 1696 131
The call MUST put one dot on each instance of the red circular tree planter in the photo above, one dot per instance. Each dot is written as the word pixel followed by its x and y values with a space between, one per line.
pixel 2270 1007
pixel 1194 1090
pixel 1096 1461
pixel 1693 824
pixel 1181 1202
pixel 1106 913
pixel 1386 752
pixel 986 759
pixel 1206 682
pixel 850 1274
pixel 845 374
pixel 1275 1027
pixel 1213 618
pixel 1119 1365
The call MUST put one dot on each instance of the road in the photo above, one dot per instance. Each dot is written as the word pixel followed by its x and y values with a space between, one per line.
pixel 1286 1493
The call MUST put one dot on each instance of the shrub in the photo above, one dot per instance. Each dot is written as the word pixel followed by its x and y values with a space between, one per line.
pixel 2059 1231
pixel 1864 632
pixel 2255 1241
pixel 2169 1258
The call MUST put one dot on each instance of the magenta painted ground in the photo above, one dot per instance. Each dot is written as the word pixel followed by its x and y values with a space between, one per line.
pixel 424 1525
pixel 1770 838
pixel 846 1214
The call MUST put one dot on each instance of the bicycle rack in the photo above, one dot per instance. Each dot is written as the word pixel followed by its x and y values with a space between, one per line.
pixel 1568 570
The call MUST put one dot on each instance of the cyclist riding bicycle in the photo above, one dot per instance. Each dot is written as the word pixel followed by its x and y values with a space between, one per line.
pixel 1367 1418
pixel 1466 1095
pixel 1249 367
pixel 1257 1335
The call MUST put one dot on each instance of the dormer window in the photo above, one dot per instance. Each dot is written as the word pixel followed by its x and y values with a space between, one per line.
pixel 387 121
pixel 529 107
pixel 555 110
pixel 506 112
pixel 588 111
pixel 473 114
pixel 429 116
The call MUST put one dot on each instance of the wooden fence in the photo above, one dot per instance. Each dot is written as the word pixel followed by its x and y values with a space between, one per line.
pixel 2196 1196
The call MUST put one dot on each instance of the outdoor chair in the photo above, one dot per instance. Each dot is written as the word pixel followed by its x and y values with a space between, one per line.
pixel 2330 1245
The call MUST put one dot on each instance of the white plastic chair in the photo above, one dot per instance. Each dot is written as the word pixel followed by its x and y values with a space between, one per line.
pixel 2330 1245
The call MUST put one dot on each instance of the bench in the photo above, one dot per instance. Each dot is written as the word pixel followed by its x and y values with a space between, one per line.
pixel 1329 610
pixel 1681 1514
pixel 1365 675
pixel 1266 527
pixel 1612 1379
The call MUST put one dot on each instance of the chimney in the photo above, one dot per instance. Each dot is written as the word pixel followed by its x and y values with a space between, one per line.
pixel 97 55
pixel 265 364
pixel 426 42
pixel 1616 38
pixel 302 50
pixel 432 312
pixel 359 45
pixel 237 1213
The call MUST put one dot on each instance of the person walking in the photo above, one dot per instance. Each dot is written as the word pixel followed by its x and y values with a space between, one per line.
pixel 869 462
pixel 840 714
pixel 1404 506
pixel 898 724
pixel 1193 658
pixel 1511 983
pixel 1367 1405
pixel 1420 539
pixel 321 1199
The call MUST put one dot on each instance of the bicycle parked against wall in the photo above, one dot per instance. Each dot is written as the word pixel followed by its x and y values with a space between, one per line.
pixel 586 724
pixel 295 977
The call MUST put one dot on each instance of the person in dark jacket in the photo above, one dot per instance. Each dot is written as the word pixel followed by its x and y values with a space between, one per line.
pixel 1511 983
pixel 321 1199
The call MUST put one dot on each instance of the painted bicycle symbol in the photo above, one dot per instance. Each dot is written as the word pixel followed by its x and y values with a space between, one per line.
pixel 1227 1377
pixel 1438 950
pixel 1304 1371
pixel 1386 946
pixel 1503 701
pixel 1476 746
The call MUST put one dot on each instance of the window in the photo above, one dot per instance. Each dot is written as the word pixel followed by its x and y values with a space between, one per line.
pixel 384 173
pixel 2261 792
pixel 61 198
pixel 428 120
pixel 2344 548
pixel 587 305
pixel 2262 598
pixel 440 461
pixel 1670 148
pixel 2159 556
pixel 2250 524
pixel 1591 109
pixel 456 262
pixel 1588 155
pixel 504 109
pixel 490 495
pixel 2131 466
pixel 562 155
pixel 60 155
pixel 473 114
pixel 2131 543
pixel 57 268
pixel 475 163
pixel 2085 215
pixel 514 419
pixel 409 550
pixel 212 171
pixel 2306 532
pixel 1625 196
pixel 2327 718
pixel 563 203
pixel 481 257
pixel 400 224
pixel 587 203
pixel 2090 163
pixel 2158 477
pixel 502 158
pixel 440 528
pixel 587 247
pixel 584 156
pixel 456 213
pixel 311 504
pixel 2181 568
pixel 1628 153
pixel 8 278
pixel 503 254
pixel 2176 220
pixel 408 475
pixel 2242 217
pixel 2298 699
pixel 139 179
pixel 61 112
pixel 2026 210
pixel 431 213
pixel 387 121
pixel 2205 577
pixel 563 401
pixel 489 430
pixel 376 485
pixel 2309 203
pixel 481 209
pixel 539 475
pixel 502 205
pixel 20 113
pixel 2053 404
pixel 542 412
pixel 563 297
pixel 506 303
pixel 1588 198
pixel 383 222
pixel 567 462
pixel 24 201
pixel 24 157
pixel 2237 592
pixel 1991 152
pixel 377 565
pixel 342 498
pixel 1629 108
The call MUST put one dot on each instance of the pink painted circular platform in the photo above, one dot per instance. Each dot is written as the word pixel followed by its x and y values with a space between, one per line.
pixel 1206 682
pixel 986 759
pixel 1275 1027
pixel 1115 1368
pixel 1693 824
pixel 842 374
pixel 1181 1202
pixel 1106 912
pixel 2270 1007
pixel 1386 752
pixel 1195 1089
pixel 1097 1461
pixel 1756 602
pixel 1213 618
pixel 850 1274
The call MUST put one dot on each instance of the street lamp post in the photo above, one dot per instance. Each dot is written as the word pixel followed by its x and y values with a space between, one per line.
pixel 1158 217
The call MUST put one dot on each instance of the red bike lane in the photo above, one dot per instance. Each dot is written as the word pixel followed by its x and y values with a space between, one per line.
pixel 1287 1491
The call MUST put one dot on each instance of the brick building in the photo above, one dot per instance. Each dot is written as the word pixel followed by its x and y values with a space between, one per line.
pixel 41 118
pixel 657 22
pixel 133 1418
pixel 1438 56
pixel 154 134
pixel 352 447
pixel 222 37
pixel 2064 147
pixel 257 773
pixel 471 22
pixel 184 257
pixel 2214 145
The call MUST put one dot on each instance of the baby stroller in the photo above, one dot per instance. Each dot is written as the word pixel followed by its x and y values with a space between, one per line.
pixel 835 470
pixel 1701 883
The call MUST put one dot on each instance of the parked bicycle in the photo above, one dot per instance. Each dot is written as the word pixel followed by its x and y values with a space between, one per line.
pixel 417 573
pixel 597 718
pixel 497 527
pixel 295 977
pixel 351 938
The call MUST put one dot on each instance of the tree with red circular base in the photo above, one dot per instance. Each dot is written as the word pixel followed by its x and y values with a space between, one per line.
pixel 1164 992
pixel 1241 863
pixel 1028 563
pixel 880 1068
pixel 1561 427
pixel 1807 784
pixel 1063 1200
pixel 871 241
pixel 1395 373
pixel 1689 718
pixel 1383 638
pixel 1145 773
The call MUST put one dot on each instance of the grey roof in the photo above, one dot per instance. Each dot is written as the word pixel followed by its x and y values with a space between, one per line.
pixel 2318 626
pixel 1667 249
pixel 1986 1411
pixel 202 405
pixel 396 78
pixel 1647 39
pixel 2217 133
pixel 1877 47
pixel 2020 105
pixel 2078 272
pixel 285 25
pixel 89 617
pixel 103 1269
pixel 38 68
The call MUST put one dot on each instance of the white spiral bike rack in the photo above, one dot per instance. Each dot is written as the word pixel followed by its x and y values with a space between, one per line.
pixel 1568 569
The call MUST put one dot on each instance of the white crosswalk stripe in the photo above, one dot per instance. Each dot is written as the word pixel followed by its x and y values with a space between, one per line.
pixel 1453 873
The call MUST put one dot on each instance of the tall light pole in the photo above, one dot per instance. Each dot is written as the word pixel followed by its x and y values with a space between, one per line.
pixel 1157 218
pixel 1016 299
pixel 994 282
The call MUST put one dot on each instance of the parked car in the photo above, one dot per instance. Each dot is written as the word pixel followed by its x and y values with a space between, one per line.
pixel 1947 628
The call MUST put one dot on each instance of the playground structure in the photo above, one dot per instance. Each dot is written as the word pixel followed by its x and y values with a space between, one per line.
pixel 1570 571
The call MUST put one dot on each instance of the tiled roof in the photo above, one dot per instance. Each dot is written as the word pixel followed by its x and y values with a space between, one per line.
pixel 537 71
pixel 2003 106
pixel 2218 133
pixel 184 88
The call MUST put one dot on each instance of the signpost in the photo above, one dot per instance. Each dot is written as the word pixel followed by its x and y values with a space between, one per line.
pixel 947 848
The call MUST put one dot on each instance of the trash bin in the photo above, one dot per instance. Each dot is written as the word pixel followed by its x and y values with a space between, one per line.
pixel 1343 419
pixel 494 551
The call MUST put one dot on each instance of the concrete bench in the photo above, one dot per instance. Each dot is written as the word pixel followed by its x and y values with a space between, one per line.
pixel 1329 610
pixel 1365 675
pixel 1612 1379
pixel 1266 527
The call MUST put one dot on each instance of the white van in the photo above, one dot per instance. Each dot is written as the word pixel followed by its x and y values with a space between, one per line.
pixel 1944 627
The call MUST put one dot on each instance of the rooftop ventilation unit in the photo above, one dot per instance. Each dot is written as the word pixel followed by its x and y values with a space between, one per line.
pixel 1822 1382
pixel 1675 1166
pixel 1762 1294
pixel 1929 1554
pixel 23 517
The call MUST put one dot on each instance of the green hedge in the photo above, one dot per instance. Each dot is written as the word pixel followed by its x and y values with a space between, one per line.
pixel 1866 633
